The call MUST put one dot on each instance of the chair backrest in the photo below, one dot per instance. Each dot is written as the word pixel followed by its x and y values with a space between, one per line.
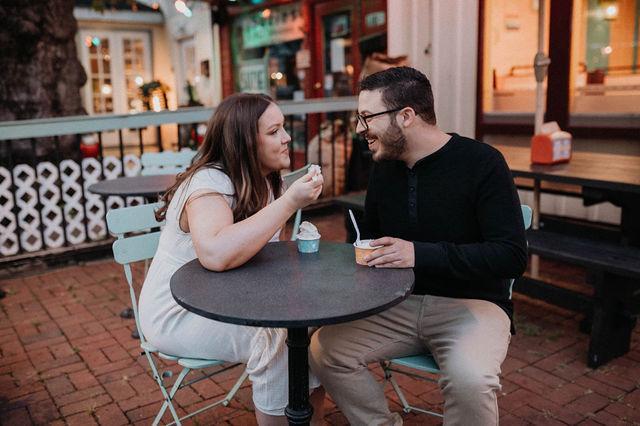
pixel 289 178
pixel 128 249
pixel 527 215
pixel 293 176
pixel 165 163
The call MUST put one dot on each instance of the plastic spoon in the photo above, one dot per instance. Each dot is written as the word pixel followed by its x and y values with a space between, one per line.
pixel 355 225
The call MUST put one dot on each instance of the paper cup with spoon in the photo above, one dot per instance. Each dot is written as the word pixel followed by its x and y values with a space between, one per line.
pixel 362 247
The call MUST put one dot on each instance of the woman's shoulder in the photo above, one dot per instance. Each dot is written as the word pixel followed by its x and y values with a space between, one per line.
pixel 212 176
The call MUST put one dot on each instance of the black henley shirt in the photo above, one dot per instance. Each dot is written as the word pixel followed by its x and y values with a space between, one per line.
pixel 460 208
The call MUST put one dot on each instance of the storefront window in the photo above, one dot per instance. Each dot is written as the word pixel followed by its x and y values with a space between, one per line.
pixel 511 42
pixel 264 48
pixel 134 51
pixel 338 72
pixel 101 87
pixel 605 69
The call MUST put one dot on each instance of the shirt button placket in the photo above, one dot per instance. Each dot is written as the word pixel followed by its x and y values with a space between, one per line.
pixel 413 199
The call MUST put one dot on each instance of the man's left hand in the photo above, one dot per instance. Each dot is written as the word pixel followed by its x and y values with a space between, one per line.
pixel 395 253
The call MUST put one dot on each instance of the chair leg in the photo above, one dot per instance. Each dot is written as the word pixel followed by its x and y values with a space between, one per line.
pixel 167 398
pixel 235 388
pixel 176 386
pixel 168 403
pixel 224 402
pixel 406 407
pixel 296 225
pixel 389 377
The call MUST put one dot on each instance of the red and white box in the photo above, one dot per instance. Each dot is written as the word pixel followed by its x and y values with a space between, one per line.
pixel 551 145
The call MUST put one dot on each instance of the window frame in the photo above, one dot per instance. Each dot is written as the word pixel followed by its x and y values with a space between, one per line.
pixel 116 51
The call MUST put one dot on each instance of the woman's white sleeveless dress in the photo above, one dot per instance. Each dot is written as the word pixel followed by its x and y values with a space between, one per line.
pixel 176 331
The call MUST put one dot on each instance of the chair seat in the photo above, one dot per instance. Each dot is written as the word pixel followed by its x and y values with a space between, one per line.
pixel 148 347
pixel 194 363
pixel 152 349
pixel 424 362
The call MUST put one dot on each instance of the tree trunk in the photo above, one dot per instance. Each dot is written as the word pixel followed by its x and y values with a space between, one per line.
pixel 40 74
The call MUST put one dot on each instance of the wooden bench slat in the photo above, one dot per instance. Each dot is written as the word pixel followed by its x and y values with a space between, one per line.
pixel 589 253
pixel 552 187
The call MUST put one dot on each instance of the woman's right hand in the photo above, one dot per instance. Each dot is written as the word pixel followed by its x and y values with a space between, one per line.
pixel 304 190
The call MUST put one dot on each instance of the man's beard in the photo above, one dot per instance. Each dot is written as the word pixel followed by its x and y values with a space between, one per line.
pixel 392 143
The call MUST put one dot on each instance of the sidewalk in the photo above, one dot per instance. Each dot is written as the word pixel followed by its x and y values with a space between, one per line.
pixel 66 357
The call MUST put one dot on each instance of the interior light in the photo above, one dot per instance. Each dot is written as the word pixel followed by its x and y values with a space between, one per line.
pixel 611 12
pixel 610 9
pixel 155 103
pixel 182 7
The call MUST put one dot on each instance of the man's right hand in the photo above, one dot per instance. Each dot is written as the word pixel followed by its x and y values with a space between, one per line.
pixel 395 253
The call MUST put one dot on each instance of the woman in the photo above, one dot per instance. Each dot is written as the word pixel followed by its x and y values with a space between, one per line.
pixel 223 210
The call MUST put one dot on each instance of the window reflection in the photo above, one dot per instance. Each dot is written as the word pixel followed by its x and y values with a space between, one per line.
pixel 605 68
pixel 511 42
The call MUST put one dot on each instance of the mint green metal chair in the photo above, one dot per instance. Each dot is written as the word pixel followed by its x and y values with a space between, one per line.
pixel 425 363
pixel 289 178
pixel 166 162
pixel 137 241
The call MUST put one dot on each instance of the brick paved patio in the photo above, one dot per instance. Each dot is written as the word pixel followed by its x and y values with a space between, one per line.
pixel 66 357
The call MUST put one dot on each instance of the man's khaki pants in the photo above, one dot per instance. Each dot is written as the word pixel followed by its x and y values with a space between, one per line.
pixel 468 338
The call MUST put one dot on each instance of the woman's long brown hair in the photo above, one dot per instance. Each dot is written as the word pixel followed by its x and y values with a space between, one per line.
pixel 231 145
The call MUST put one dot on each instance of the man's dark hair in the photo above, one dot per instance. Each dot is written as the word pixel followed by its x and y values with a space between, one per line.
pixel 404 87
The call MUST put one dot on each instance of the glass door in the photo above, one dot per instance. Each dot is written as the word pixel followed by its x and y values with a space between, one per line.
pixel 117 63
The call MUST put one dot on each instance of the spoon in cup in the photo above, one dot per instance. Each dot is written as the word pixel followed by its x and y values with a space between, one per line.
pixel 355 225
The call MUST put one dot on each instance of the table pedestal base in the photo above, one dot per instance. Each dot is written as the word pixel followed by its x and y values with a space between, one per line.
pixel 298 410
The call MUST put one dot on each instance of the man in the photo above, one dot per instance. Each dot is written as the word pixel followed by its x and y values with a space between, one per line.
pixel 446 206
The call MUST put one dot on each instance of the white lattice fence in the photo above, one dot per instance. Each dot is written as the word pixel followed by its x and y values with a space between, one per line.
pixel 50 206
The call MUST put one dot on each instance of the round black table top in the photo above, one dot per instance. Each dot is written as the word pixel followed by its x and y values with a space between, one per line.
pixel 280 287
pixel 134 186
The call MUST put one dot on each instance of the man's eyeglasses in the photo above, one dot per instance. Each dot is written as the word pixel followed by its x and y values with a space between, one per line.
pixel 362 119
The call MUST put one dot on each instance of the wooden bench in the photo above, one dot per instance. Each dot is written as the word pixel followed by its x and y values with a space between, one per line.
pixel 554 188
pixel 613 270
